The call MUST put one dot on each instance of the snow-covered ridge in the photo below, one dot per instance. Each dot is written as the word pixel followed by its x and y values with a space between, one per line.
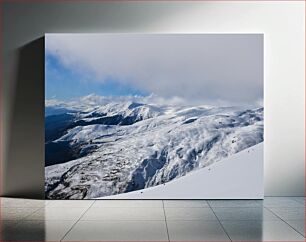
pixel 239 176
pixel 126 144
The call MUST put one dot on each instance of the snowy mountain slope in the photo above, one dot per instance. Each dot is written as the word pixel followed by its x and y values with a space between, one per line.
pixel 103 147
pixel 239 176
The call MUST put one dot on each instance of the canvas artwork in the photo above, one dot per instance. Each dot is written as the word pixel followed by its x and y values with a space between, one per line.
pixel 153 116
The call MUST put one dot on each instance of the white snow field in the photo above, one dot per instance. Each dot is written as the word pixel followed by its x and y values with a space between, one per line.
pixel 239 176
pixel 125 144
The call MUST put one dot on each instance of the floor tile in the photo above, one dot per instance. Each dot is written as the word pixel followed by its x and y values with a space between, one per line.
pixel 185 203
pixel 57 214
pixel 70 203
pixel 124 214
pixel 300 200
pixel 281 202
pixel 40 230
pixel 256 213
pixel 22 203
pixel 128 204
pixel 118 231
pixel 298 225
pixel 189 214
pixel 7 227
pixel 140 220
pixel 16 213
pixel 235 203
pixel 261 231
pixel 289 213
pixel 196 231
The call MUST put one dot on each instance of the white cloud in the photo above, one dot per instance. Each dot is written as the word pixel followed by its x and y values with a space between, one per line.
pixel 204 67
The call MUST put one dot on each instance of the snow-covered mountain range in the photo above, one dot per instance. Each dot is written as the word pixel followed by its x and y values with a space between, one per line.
pixel 100 146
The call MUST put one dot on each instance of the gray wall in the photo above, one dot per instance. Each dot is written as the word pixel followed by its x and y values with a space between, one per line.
pixel 23 74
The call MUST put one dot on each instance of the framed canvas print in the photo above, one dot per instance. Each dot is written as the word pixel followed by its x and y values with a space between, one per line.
pixel 152 116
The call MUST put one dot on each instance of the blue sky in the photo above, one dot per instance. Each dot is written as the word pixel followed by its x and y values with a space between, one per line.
pixel 65 83
pixel 202 68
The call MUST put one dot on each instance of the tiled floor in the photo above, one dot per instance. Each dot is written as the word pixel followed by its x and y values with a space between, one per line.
pixel 274 219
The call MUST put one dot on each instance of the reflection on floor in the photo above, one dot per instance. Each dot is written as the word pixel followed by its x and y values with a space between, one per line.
pixel 274 219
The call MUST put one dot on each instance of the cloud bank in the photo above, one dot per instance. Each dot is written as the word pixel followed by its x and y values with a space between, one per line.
pixel 211 68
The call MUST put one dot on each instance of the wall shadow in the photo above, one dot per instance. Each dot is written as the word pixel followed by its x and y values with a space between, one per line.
pixel 25 152
pixel 28 230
